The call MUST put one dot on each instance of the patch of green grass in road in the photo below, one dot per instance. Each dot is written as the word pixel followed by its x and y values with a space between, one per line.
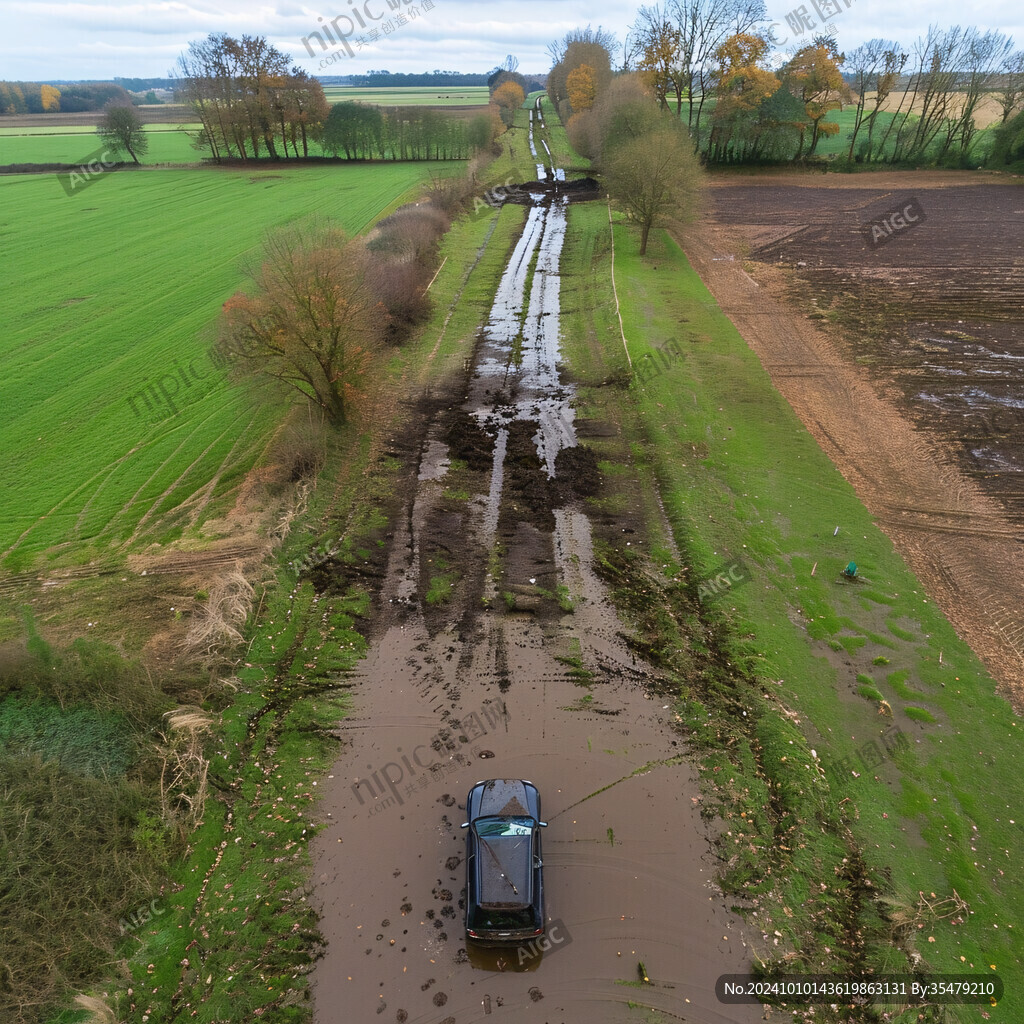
pixel 740 476
pixel 145 261
pixel 441 585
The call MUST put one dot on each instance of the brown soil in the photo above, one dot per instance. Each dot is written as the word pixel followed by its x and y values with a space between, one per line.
pixel 784 254
pixel 166 113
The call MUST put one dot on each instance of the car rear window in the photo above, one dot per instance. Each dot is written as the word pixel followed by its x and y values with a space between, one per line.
pixel 503 919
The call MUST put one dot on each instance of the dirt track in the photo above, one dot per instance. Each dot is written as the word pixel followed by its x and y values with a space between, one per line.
pixel 959 529
pixel 500 681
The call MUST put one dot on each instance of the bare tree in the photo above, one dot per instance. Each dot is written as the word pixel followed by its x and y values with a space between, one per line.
pixel 654 176
pixel 982 56
pixel 865 64
pixel 939 63
pixel 1012 89
pixel 311 322
pixel 893 62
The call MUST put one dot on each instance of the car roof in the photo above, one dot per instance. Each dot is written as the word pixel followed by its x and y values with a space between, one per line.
pixel 501 861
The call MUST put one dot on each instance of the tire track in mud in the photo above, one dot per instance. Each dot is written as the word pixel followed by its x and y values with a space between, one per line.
pixel 488 685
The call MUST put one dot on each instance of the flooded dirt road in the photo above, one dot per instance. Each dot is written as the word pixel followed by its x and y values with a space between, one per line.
pixel 497 653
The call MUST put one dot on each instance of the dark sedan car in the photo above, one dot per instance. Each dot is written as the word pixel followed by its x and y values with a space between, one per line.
pixel 504 869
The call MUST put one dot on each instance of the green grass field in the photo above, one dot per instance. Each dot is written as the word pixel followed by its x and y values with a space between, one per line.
pixel 168 144
pixel 297 703
pixel 118 300
pixel 463 95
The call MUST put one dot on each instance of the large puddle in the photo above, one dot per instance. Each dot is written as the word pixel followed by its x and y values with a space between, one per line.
pixel 486 687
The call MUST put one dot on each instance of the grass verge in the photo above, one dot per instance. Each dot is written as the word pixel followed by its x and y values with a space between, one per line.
pixel 844 827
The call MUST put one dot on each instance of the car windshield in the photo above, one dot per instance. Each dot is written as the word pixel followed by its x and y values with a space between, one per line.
pixel 494 828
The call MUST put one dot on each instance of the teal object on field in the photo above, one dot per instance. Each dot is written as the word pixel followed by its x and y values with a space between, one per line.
pixel 851 570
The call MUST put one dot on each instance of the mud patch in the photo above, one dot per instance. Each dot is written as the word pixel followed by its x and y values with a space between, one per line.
pixel 467 440
pixel 530 492
pixel 576 474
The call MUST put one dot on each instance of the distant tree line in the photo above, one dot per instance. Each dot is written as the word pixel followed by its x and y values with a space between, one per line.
pixel 249 101
pixel 144 84
pixel 42 97
pixel 356 131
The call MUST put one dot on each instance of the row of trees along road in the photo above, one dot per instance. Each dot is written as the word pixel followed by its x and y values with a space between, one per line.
pixel 643 151
pixel 741 103
pixel 360 132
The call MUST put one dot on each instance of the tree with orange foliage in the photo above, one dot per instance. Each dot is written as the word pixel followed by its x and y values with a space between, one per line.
pixel 743 85
pixel 312 322
pixel 660 42
pixel 813 76
pixel 582 85
pixel 508 97
pixel 49 96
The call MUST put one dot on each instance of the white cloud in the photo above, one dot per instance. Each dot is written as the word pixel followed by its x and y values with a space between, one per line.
pixel 44 40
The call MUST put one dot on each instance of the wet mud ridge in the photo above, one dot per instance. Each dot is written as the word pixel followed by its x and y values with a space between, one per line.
pixel 497 653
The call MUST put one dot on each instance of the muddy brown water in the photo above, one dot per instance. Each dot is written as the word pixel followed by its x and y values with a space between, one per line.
pixel 452 694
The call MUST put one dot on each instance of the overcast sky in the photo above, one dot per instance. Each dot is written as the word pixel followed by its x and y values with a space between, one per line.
pixel 122 38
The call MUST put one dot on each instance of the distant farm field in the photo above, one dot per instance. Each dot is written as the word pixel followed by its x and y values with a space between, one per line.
pixel 108 293
pixel 72 144
pixel 465 95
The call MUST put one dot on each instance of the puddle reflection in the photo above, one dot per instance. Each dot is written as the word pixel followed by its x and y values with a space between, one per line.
pixel 513 959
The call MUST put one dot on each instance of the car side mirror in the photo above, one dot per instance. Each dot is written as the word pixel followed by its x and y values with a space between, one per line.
pixel 465 824
pixel 543 824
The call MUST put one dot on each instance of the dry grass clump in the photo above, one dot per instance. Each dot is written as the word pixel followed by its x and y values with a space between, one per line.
pixel 217 623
